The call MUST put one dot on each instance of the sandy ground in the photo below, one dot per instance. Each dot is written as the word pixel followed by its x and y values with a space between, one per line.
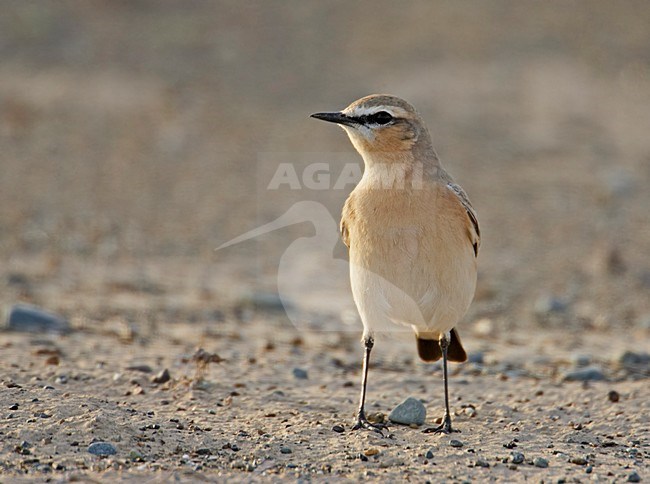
pixel 248 418
pixel 136 137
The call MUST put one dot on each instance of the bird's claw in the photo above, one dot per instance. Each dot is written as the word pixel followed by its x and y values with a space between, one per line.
pixel 362 423
pixel 444 428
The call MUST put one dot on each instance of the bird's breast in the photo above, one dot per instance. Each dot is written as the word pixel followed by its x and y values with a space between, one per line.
pixel 417 245
pixel 391 233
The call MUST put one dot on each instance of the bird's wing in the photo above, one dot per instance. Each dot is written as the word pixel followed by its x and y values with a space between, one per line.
pixel 345 235
pixel 464 200
pixel 347 215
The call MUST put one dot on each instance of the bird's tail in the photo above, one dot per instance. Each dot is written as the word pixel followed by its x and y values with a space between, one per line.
pixel 429 349
pixel 456 352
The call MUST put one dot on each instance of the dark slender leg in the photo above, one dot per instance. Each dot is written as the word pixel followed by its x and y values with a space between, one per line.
pixel 445 427
pixel 362 421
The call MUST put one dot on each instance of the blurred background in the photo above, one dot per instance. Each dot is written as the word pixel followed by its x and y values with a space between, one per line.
pixel 138 136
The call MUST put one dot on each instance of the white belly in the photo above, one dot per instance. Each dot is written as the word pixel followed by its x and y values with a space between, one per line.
pixel 385 306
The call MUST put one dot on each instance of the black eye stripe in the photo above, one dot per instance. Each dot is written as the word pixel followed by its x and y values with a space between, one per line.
pixel 381 117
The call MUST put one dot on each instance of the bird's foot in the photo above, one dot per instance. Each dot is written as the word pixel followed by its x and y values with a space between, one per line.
pixel 362 423
pixel 444 428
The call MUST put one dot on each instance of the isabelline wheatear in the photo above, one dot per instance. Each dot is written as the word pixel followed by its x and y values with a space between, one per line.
pixel 412 234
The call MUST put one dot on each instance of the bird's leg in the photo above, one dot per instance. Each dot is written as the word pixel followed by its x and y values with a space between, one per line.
pixel 445 426
pixel 362 421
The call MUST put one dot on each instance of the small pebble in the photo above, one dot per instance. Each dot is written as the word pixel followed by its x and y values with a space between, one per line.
pixel 242 465
pixel 61 379
pixel 370 452
pixel 363 457
pixel 581 461
pixel 510 445
pixel 455 443
pixel 613 396
pixel 338 429
pixel 285 450
pixel 548 304
pixel 590 373
pixel 31 319
pixel 517 458
pixel 22 450
pixel 300 374
pixel 581 360
pixel 14 407
pixel 162 377
pixel 482 463
pixel 540 462
pixel 477 358
pixel 633 477
pixel 140 368
pixel 429 454
pixel 630 359
pixel 102 448
pixel 410 411
pixel 470 412
pixel 135 456
pixel 377 417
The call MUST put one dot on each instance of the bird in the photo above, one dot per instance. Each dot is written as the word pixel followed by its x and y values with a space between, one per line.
pixel 413 238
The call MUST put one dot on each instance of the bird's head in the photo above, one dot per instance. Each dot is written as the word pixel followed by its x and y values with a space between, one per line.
pixel 380 123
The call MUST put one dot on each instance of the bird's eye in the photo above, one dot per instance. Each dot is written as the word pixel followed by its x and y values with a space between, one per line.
pixel 382 117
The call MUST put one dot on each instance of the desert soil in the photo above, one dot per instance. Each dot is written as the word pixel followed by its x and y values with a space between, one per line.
pixel 247 415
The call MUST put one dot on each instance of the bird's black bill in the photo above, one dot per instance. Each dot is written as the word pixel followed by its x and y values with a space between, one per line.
pixel 338 118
